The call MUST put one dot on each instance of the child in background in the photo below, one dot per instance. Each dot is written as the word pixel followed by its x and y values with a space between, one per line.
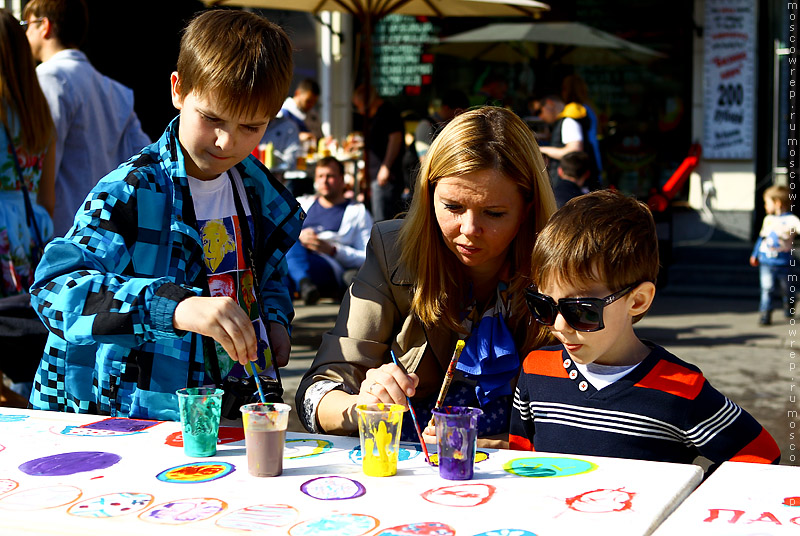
pixel 160 264
pixel 602 391
pixel 773 253
pixel 573 172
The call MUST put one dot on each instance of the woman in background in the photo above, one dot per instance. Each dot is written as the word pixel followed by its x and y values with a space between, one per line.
pixel 27 131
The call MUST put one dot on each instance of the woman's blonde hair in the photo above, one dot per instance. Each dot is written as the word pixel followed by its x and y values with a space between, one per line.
pixel 487 138
pixel 19 87
pixel 242 59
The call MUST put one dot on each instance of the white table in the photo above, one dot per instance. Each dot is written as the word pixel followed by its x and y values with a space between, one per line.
pixel 83 474
pixel 741 499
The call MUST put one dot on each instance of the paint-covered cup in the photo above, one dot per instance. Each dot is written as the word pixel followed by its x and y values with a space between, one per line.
pixel 264 437
pixel 456 437
pixel 379 429
pixel 200 409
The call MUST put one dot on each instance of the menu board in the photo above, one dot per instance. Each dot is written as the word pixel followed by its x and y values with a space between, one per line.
pixel 399 63
pixel 729 74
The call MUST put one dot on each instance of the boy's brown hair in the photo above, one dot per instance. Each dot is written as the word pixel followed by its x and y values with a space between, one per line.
pixel 778 193
pixel 69 19
pixel 602 237
pixel 242 59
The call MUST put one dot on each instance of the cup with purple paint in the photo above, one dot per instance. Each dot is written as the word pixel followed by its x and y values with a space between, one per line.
pixel 456 437
pixel 200 409
pixel 264 437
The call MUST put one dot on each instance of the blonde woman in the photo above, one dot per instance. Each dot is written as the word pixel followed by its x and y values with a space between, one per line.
pixel 454 268
pixel 27 131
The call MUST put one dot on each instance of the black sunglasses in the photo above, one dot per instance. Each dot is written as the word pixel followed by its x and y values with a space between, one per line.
pixel 582 314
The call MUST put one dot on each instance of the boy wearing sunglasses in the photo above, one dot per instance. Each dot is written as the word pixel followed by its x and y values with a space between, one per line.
pixel 602 391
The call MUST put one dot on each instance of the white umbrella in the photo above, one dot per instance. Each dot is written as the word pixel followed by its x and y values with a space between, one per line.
pixel 564 42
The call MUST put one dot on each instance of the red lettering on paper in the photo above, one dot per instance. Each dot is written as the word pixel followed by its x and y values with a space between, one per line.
pixel 713 514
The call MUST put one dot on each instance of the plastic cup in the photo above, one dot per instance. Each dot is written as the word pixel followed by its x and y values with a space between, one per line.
pixel 200 408
pixel 264 437
pixel 456 437
pixel 379 428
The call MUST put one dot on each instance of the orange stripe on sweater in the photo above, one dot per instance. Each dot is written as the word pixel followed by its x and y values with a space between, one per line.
pixel 545 363
pixel 674 379
pixel 763 449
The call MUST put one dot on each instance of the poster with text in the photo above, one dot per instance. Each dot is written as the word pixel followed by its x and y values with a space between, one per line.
pixel 729 73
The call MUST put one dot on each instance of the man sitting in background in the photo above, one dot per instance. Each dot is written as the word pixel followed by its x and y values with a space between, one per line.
pixel 333 241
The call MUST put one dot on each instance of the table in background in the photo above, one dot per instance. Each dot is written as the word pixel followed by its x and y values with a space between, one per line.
pixel 740 499
pixel 86 474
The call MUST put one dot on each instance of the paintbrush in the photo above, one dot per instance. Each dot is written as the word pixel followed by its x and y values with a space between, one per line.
pixel 413 416
pixel 448 376
pixel 258 382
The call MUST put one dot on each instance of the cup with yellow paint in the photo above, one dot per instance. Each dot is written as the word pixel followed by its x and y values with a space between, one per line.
pixel 379 428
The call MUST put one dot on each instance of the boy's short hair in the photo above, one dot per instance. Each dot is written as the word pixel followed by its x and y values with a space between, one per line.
pixel 242 59
pixel 603 237
pixel 575 164
pixel 778 193
pixel 69 19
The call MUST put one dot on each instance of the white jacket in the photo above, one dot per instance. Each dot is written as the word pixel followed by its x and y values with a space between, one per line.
pixel 351 238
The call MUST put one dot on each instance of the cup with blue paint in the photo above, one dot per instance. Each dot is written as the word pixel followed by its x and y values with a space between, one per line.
pixel 200 409
pixel 457 439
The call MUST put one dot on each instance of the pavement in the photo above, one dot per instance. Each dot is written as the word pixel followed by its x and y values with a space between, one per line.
pixel 754 366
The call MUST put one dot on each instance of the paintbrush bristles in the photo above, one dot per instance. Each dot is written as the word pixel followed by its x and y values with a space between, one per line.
pixel 448 376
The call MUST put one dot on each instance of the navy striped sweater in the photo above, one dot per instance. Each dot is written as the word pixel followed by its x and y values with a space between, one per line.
pixel 663 410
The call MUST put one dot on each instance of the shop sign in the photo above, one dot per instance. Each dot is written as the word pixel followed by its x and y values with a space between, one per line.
pixel 729 74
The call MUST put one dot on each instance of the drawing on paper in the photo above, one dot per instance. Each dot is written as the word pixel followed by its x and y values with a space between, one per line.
pixel 404 453
pixel 259 517
pixel 548 467
pixel 480 456
pixel 6 485
pixel 460 495
pixel 295 449
pixel 335 524
pixel 69 463
pixel 110 427
pixel 601 501
pixel 226 434
pixel 13 418
pixel 419 529
pixel 332 488
pixel 194 473
pixel 111 505
pixel 184 511
pixel 40 498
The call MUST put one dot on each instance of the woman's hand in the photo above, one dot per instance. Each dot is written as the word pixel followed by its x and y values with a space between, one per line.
pixel 429 433
pixel 223 320
pixel 388 384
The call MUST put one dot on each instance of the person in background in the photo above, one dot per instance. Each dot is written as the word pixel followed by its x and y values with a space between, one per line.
pixel 574 90
pixel 454 102
pixel 594 268
pixel 94 117
pixel 300 109
pixel 566 133
pixel 573 171
pixel 772 253
pixel 333 241
pixel 27 188
pixel 454 268
pixel 29 133
pixel 174 273
pixel 385 142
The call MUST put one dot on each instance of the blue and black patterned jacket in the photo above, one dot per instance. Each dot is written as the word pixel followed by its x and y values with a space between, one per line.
pixel 108 290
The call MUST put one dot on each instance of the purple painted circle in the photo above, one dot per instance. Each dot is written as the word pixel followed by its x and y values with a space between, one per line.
pixel 69 463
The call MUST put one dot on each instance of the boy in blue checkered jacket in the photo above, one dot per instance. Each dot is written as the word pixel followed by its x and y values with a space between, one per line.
pixel 157 286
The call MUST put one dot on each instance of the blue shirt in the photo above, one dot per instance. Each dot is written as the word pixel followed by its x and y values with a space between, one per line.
pixel 97 128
